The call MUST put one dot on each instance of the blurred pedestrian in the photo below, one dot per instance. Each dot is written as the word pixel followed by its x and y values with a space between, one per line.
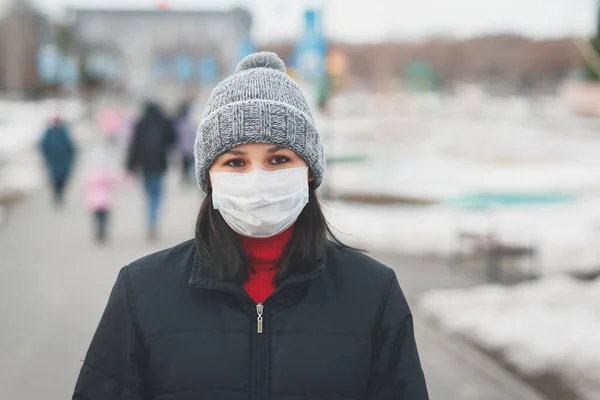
pixel 186 136
pixel 99 184
pixel 153 138
pixel 127 127
pixel 264 303
pixel 110 122
pixel 59 152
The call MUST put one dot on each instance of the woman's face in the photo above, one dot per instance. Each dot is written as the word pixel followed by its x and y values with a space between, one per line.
pixel 248 157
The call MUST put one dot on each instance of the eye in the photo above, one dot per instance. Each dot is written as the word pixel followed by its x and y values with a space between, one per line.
pixel 278 160
pixel 235 163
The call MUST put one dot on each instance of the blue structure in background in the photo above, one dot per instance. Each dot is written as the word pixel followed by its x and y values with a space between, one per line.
pixel 102 65
pixel 208 70
pixel 184 68
pixel 48 63
pixel 161 68
pixel 69 72
pixel 488 201
pixel 95 65
pixel 54 67
pixel 311 50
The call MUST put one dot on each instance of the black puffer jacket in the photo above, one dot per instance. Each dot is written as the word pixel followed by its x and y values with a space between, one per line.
pixel 172 331
pixel 153 137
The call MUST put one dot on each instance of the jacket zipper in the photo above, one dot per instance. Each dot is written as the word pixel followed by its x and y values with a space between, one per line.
pixel 259 319
pixel 261 356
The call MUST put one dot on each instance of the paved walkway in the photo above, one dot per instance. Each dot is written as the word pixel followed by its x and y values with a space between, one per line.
pixel 454 370
pixel 54 282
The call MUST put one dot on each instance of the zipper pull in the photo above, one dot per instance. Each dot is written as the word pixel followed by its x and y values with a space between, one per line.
pixel 259 320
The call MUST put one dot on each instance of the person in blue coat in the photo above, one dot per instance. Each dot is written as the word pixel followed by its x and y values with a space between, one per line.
pixel 59 152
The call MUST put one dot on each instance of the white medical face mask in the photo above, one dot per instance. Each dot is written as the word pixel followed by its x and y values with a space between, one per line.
pixel 260 204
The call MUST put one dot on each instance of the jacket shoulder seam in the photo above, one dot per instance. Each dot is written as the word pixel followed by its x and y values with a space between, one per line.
pixel 384 300
pixel 134 318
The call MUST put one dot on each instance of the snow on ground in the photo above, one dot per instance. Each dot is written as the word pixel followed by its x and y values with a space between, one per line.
pixel 549 326
pixel 21 176
pixel 431 178
pixel 443 157
pixel 566 236
pixel 465 147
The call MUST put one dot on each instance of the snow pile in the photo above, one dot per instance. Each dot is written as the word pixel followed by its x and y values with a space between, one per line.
pixel 546 327
pixel 512 145
pixel 20 177
pixel 444 157
pixel 567 237
pixel 19 129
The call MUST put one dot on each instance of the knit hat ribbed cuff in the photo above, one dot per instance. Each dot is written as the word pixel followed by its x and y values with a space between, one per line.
pixel 257 121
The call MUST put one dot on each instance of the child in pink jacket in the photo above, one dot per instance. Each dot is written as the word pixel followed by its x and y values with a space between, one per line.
pixel 99 186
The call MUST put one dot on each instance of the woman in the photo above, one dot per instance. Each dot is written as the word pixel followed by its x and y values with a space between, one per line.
pixel 58 151
pixel 260 305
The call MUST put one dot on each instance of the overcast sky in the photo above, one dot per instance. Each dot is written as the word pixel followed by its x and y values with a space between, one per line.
pixel 376 20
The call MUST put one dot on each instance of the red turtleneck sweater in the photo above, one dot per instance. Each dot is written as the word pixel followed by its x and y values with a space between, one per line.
pixel 263 255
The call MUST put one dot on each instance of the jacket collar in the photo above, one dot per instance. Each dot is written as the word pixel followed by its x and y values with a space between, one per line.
pixel 203 277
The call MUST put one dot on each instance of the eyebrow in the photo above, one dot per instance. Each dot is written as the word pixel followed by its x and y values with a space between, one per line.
pixel 275 149
pixel 235 152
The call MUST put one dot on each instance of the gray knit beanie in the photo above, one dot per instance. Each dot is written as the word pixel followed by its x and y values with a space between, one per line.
pixel 259 103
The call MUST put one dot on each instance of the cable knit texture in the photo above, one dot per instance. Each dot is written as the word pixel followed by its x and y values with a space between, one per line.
pixel 258 104
pixel 263 255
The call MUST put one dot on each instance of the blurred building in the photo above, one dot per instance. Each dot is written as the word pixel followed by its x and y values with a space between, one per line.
pixel 509 63
pixel 160 46
pixel 21 31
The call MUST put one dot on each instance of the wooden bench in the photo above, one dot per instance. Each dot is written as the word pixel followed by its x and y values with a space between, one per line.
pixel 495 252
